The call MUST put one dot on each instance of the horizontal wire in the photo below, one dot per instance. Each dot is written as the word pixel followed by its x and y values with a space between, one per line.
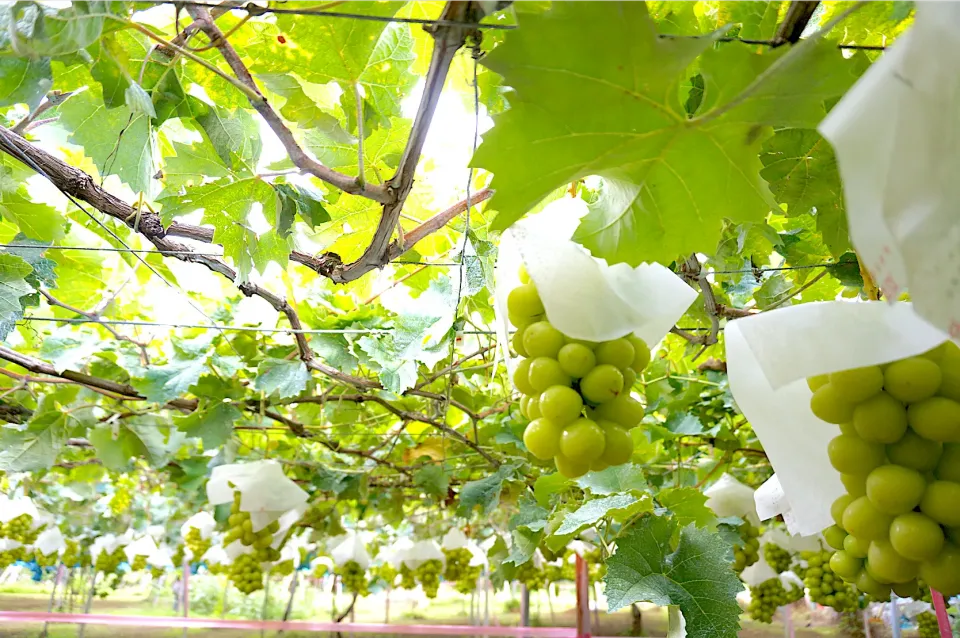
pixel 256 10
pixel 776 268
pixel 160 324
pixel 766 43
pixel 143 251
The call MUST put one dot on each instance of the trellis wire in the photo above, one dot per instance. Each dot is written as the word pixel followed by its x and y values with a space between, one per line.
pixel 255 10
pixel 140 251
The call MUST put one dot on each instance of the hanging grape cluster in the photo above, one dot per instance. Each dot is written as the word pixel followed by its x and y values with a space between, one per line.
pixel 20 528
pixel 156 572
pixel 139 563
pixel 45 560
pixel 898 454
pixel 385 572
pixel 283 568
pixel 530 575
pixel 123 489
pixel 777 557
pixel 109 562
pixel 246 574
pixel 927 626
pixel 459 571
pixel 407 578
pixel 766 597
pixel 195 542
pixel 749 552
pixel 428 575
pixel 353 577
pixel 10 556
pixel 319 569
pixel 576 393
pixel 71 554
pixel 823 585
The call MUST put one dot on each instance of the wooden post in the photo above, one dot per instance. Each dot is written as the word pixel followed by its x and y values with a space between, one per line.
pixel 185 591
pixel 53 595
pixel 583 598
pixel 524 606
pixel 943 620
pixel 89 603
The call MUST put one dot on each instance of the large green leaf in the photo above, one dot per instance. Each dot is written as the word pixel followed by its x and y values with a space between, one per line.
pixel 130 439
pixel 214 425
pixel 433 480
pixel 613 480
pixel 688 505
pixel 592 512
pixel 119 142
pixel 697 576
pixel 36 446
pixel 13 286
pixel 802 171
pixel 484 493
pixel 164 383
pixel 286 378
pixel 607 103
pixel 235 136
pixel 23 80
pixel 46 31
pixel 226 206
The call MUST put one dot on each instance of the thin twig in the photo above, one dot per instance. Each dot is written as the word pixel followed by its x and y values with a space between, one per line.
pixel 51 100
pixel 790 295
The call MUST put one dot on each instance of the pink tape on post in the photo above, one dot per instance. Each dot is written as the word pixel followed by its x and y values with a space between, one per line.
pixel 216 623
pixel 943 620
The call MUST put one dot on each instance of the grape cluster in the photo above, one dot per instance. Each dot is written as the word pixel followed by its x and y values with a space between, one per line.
pixel 283 568
pixel 195 542
pixel 777 557
pixel 530 575
pixel 71 554
pixel 319 570
pixel 20 528
pixel 428 574
pixel 241 529
pixel 123 490
pixel 458 569
pixel 10 556
pixel 139 563
pixel 748 553
pixel 927 626
pixel 353 577
pixel 766 597
pixel 45 560
pixel 898 454
pixel 246 574
pixel 407 578
pixel 109 562
pixel 387 573
pixel 156 572
pixel 824 586
pixel 576 393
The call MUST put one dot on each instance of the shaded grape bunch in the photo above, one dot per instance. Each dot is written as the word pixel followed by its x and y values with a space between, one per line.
pixel 459 571
pixel 407 578
pixel 139 563
pixel 824 586
pixel 428 575
pixel 927 626
pixel 766 597
pixel 353 577
pixel 576 392
pixel 109 562
pixel 777 557
pixel 749 552
pixel 20 528
pixel 530 575
pixel 246 573
pixel 898 455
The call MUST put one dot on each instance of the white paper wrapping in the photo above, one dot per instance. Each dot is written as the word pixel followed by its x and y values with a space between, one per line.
pixel 8 544
pixel 265 491
pixel 216 555
pixel 454 539
pixel 397 553
pixel 730 497
pixel 290 551
pixel 897 139
pixel 584 297
pixel 757 573
pixel 769 357
pixel 107 543
pixel 202 521
pixel 143 546
pixel 50 541
pixel 351 548
pixel 160 558
pixel 422 551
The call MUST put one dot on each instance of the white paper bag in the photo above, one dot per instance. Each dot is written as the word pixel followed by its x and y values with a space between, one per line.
pixel 351 549
pixel 12 508
pixel 769 357
pixel 584 298
pixel 265 491
pixel 50 541
pixel 454 539
pixel 201 521
pixel 897 139
pixel 160 558
pixel 730 497
pixel 216 555
pixel 757 573
pixel 143 546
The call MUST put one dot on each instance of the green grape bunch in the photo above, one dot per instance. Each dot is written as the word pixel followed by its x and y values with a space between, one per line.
pixel 240 528
pixel 766 597
pixel 20 528
pixel 71 554
pixel 749 552
pixel 824 586
pixel 386 572
pixel 458 569
pixel 109 562
pixel 927 626
pixel 576 393
pixel 898 455
pixel 123 490
pixel 45 560
pixel 139 563
pixel 407 578
pixel 283 568
pixel 777 557
pixel 156 572
pixel 530 575
pixel 195 542
pixel 427 574
pixel 353 577
pixel 10 556
pixel 246 573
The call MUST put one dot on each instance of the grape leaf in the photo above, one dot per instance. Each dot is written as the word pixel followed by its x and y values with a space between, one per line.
pixel 670 179
pixel 164 383
pixel 43 31
pixel 433 480
pixel 286 378
pixel 129 439
pixel 191 164
pixel 118 142
pixel 214 426
pixel 31 251
pixel 758 20
pixel 235 136
pixel 688 505
pixel 23 80
pixel 530 516
pixel 13 286
pixel 775 289
pixel 591 512
pixel 697 576
pixel 483 493
pixel 683 423
pixel 524 545
pixel 226 206
pixel 69 350
pixel 296 201
pixel 802 171
pixel 548 486
pixel 36 446
pixel 614 480
pixel 35 219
